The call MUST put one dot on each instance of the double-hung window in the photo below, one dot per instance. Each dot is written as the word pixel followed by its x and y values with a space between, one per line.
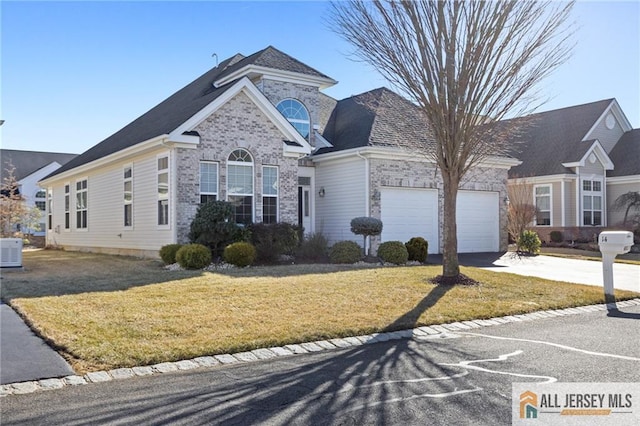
pixel 82 206
pixel 269 194
pixel 542 195
pixel 67 206
pixel 592 202
pixel 240 185
pixel 128 196
pixel 208 181
pixel 163 190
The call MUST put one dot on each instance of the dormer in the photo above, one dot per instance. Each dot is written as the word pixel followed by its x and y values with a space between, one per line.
pixel 609 127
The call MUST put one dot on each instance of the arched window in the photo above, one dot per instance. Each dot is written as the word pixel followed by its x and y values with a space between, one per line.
pixel 240 185
pixel 294 111
pixel 41 199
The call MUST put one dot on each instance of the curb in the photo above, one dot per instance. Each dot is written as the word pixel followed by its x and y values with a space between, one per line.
pixel 420 334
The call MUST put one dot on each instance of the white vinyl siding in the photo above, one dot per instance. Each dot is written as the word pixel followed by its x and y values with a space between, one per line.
pixel 607 137
pixel 105 201
pixel 343 182
pixel 128 196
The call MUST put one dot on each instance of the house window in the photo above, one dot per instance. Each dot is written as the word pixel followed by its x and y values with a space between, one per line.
pixel 208 181
pixel 163 190
pixel 81 204
pixel 128 196
pixel 67 206
pixel 50 208
pixel 269 194
pixel 591 202
pixel 240 185
pixel 41 200
pixel 296 113
pixel 543 205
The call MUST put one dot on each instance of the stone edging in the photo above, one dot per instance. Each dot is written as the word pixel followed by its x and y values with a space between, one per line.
pixel 420 333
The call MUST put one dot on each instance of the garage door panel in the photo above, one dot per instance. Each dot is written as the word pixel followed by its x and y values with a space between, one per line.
pixel 477 219
pixel 408 213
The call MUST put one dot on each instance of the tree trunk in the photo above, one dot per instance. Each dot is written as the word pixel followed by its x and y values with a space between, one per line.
pixel 450 266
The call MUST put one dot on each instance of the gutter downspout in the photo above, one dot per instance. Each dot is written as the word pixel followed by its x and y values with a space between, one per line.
pixel 367 192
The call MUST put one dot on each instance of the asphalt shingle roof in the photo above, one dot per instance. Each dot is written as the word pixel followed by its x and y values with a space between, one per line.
pixel 182 105
pixel 29 162
pixel 550 138
pixel 625 155
pixel 376 118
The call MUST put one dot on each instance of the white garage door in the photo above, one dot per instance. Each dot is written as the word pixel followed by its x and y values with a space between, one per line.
pixel 478 221
pixel 408 213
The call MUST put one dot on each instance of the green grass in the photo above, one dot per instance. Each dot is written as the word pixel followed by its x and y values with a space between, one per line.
pixel 104 311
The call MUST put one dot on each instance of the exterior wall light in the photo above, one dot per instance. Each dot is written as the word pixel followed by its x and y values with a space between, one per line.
pixel 321 192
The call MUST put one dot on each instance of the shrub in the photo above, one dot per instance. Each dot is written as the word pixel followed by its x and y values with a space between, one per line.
pixel 193 256
pixel 393 252
pixel 214 227
pixel 273 240
pixel 314 248
pixel 366 226
pixel 417 247
pixel 529 242
pixel 555 236
pixel 345 252
pixel 240 254
pixel 168 253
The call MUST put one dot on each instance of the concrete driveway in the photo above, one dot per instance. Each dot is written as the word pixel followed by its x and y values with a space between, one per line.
pixel 625 277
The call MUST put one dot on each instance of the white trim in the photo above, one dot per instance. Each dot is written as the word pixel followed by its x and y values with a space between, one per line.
pixel 562 205
pixel 124 200
pixel 276 75
pixel 617 180
pixel 592 193
pixel 617 112
pixel 168 196
pixel 75 203
pixel 544 179
pixel 599 151
pixel 245 86
pixel 578 185
pixel 253 180
pixel 67 194
pixel 535 219
pixel 390 153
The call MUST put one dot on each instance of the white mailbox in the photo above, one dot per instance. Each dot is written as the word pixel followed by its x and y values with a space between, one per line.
pixel 612 243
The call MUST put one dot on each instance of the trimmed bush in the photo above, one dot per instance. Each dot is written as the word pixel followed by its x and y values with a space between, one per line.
pixel 273 240
pixel 417 247
pixel 529 242
pixel 345 252
pixel 314 248
pixel 214 227
pixel 555 236
pixel 366 226
pixel 193 256
pixel 240 254
pixel 393 252
pixel 168 253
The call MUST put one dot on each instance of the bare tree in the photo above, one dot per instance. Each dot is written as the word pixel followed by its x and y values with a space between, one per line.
pixel 461 62
pixel 522 211
pixel 12 206
pixel 627 202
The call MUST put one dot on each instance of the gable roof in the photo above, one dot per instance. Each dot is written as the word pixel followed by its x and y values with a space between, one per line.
pixel 625 155
pixel 551 138
pixel 28 162
pixel 376 118
pixel 184 104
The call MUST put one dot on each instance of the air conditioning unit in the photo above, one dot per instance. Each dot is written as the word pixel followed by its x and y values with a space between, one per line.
pixel 10 252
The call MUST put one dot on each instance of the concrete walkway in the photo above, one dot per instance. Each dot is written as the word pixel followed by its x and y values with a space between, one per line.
pixel 625 277
pixel 23 355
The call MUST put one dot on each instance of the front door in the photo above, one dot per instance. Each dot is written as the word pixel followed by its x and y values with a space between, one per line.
pixel 304 208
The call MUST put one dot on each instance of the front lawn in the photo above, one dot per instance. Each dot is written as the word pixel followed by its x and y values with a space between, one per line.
pixel 105 312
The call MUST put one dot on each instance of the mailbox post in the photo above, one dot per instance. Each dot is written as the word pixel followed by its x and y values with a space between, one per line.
pixel 612 243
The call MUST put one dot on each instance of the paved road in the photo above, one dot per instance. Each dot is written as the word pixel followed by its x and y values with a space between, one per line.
pixel 402 382
pixel 23 355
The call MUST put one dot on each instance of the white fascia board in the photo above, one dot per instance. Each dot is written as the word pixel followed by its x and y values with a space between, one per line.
pixel 617 180
pixel 599 151
pixel 121 155
pixel 274 74
pixel 187 140
pixel 499 162
pixel 248 88
pixel 614 108
pixel 544 179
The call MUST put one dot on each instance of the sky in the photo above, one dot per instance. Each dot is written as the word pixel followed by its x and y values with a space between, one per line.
pixel 73 73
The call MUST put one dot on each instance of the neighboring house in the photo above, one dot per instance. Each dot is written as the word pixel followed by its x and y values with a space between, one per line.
pixel 29 168
pixel 579 160
pixel 258 132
